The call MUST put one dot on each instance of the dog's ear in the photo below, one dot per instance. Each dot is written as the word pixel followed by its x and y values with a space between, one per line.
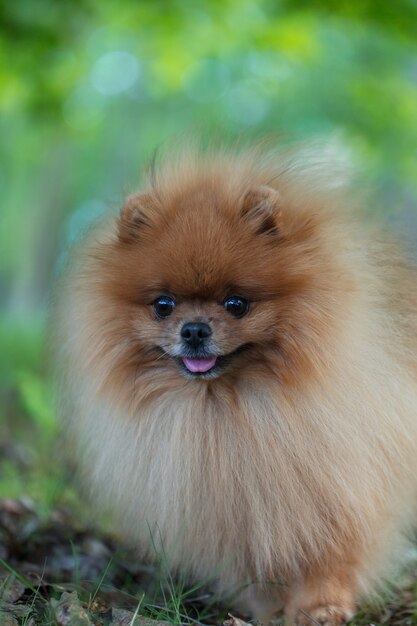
pixel 261 208
pixel 136 216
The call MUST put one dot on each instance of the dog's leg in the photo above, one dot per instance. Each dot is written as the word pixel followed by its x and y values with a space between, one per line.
pixel 322 598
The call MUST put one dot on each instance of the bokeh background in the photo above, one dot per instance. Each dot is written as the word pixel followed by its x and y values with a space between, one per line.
pixel 88 90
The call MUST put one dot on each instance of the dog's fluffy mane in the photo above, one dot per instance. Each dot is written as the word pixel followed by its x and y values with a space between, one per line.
pixel 255 478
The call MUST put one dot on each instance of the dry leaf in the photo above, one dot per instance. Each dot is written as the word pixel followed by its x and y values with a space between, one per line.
pixel 69 611
pixel 6 619
pixel 235 621
pixel 11 589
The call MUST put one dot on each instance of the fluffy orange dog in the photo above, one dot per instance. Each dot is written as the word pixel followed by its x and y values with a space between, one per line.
pixel 239 358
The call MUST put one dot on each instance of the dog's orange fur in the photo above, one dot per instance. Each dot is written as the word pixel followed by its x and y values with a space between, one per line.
pixel 291 477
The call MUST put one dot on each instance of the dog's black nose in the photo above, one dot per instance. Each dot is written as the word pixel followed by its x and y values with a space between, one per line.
pixel 194 333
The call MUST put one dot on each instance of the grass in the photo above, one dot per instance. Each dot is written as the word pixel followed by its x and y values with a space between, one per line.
pixel 30 454
pixel 77 598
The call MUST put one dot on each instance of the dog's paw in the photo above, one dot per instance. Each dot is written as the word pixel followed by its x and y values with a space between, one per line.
pixel 329 615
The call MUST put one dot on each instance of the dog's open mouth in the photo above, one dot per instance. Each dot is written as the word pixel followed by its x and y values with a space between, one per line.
pixel 199 366
pixel 207 366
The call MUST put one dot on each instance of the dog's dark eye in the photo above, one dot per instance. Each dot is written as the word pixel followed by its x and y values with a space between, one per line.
pixel 236 306
pixel 163 306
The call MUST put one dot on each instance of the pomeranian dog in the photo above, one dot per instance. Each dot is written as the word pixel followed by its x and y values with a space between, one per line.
pixel 238 358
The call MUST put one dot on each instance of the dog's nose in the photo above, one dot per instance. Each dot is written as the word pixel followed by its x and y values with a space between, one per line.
pixel 194 333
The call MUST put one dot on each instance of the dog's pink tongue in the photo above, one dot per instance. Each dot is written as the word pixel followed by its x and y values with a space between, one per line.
pixel 199 365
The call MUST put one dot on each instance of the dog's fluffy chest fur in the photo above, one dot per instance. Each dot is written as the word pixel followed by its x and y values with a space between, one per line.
pixel 238 485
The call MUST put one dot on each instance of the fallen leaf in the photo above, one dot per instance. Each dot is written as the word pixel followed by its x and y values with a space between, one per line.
pixel 6 619
pixel 235 621
pixel 70 612
pixel 11 589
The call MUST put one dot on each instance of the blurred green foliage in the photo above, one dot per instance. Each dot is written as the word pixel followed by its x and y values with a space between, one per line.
pixel 89 88
pixel 29 452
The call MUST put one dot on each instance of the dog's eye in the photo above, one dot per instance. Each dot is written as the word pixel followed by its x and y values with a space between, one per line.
pixel 236 306
pixel 163 306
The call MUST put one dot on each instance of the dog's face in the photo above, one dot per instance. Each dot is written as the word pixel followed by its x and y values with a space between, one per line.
pixel 201 338
pixel 208 283
pixel 206 336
